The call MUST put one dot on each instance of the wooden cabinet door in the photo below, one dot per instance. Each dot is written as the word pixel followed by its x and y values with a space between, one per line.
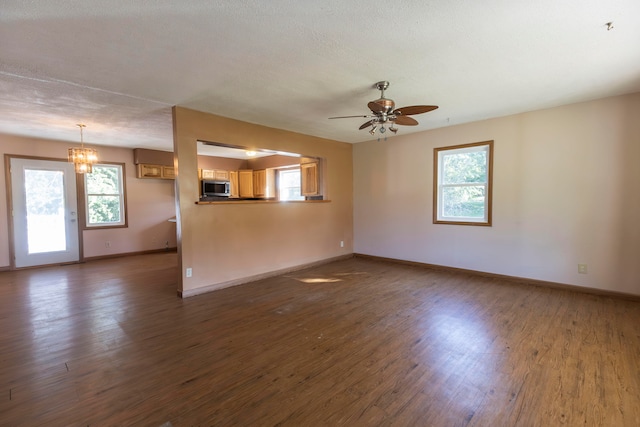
pixel 245 183
pixel 234 190
pixel 207 173
pixel 221 175
pixel 168 172
pixel 155 171
pixel 260 183
pixel 309 179
pixel 264 183
pixel 149 171
pixel 217 174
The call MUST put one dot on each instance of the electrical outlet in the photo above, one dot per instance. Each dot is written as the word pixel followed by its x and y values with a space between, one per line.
pixel 582 268
pixel 188 272
pixel 342 243
pixel 107 244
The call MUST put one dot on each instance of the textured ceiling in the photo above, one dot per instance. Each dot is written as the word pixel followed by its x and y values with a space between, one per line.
pixel 118 66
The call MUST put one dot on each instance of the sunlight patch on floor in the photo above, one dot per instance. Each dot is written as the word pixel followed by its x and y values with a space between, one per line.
pixel 319 280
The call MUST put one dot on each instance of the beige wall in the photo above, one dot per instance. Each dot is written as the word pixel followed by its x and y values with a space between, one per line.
pixel 151 202
pixel 566 191
pixel 273 162
pixel 225 243
pixel 210 162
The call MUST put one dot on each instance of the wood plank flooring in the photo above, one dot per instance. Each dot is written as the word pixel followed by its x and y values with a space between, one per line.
pixel 357 342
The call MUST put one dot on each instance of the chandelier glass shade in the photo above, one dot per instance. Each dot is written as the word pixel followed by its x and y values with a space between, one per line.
pixel 83 158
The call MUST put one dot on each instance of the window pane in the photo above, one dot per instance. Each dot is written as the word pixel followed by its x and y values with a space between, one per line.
pixel 464 167
pixel 466 202
pixel 289 185
pixel 290 178
pixel 103 180
pixel 104 196
pixel 462 184
pixel 46 225
pixel 104 209
pixel 291 194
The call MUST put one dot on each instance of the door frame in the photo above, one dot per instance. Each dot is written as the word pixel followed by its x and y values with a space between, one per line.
pixel 9 192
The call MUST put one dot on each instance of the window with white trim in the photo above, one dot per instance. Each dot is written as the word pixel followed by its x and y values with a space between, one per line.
pixel 462 184
pixel 105 196
pixel 289 184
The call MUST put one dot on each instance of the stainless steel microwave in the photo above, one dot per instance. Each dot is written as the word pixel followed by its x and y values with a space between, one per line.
pixel 215 188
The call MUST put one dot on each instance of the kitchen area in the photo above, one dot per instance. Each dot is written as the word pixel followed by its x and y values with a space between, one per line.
pixel 228 174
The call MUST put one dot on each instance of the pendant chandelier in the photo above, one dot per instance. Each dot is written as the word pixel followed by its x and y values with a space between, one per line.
pixel 83 158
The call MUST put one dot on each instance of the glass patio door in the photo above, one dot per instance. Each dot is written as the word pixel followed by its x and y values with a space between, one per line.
pixel 45 219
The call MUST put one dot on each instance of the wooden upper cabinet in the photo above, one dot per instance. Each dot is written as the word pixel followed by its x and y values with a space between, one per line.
pixel 259 183
pixel 153 164
pixel 245 183
pixel 234 188
pixel 309 179
pixel 168 172
pixel 149 171
pixel 264 184
pixel 221 175
pixel 155 171
pixel 217 174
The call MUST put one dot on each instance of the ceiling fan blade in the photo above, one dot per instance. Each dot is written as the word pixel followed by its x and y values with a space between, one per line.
pixel 366 125
pixel 376 108
pixel 414 109
pixel 405 121
pixel 349 117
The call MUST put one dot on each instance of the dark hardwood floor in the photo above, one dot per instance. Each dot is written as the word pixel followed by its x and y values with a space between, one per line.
pixel 357 342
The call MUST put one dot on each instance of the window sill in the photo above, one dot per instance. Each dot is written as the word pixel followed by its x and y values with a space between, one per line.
pixel 481 224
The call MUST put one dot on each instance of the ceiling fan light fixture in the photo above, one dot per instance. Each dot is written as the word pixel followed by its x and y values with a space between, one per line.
pixel 373 129
pixel 392 129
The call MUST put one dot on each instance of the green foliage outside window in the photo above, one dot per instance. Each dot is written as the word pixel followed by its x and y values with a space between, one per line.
pixel 463 202
pixel 462 184
pixel 103 191
pixel 465 168
pixel 44 191
pixel 459 199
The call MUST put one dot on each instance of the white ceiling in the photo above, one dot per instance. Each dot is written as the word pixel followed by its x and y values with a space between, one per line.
pixel 119 65
pixel 232 152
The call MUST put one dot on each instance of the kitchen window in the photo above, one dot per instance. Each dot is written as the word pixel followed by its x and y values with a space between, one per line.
pixel 289 184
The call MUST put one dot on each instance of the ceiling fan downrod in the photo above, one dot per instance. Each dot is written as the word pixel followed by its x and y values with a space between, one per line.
pixel 386 105
pixel 382 86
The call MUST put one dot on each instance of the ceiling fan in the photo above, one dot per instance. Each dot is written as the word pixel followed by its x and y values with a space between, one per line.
pixel 383 113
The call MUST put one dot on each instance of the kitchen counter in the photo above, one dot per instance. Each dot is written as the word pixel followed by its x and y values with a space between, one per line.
pixel 227 201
